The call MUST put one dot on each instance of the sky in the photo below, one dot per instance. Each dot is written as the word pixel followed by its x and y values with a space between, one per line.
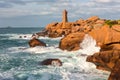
pixel 39 13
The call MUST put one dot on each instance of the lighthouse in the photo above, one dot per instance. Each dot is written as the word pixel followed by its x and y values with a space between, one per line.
pixel 64 17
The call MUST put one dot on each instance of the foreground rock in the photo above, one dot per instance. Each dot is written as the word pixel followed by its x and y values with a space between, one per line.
pixel 109 61
pixel 105 60
pixel 53 62
pixel 72 41
pixel 35 42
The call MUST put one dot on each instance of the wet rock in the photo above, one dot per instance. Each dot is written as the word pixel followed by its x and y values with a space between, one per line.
pixel 42 33
pixel 20 36
pixel 35 42
pixel 25 36
pixel 53 62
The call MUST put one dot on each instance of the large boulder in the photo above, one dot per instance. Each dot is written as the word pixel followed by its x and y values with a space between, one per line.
pixel 105 60
pixel 72 41
pixel 53 62
pixel 35 42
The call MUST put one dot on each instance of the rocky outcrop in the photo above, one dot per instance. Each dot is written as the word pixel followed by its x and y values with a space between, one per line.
pixel 35 42
pixel 105 60
pixel 72 41
pixel 53 62
pixel 105 35
pixel 63 28
pixel 58 29
pixel 106 38
pixel 105 32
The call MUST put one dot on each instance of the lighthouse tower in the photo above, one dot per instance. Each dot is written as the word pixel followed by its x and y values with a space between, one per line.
pixel 64 17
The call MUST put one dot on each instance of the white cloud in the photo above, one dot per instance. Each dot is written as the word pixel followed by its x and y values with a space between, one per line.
pixel 103 1
pixel 54 8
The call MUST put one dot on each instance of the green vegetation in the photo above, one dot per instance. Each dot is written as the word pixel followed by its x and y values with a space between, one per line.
pixel 111 22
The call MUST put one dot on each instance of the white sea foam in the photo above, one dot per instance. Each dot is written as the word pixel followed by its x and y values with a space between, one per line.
pixel 50 38
pixel 34 50
pixel 6 76
pixel 89 45
pixel 42 49
pixel 74 66
pixel 16 49
pixel 25 36
pixel 16 36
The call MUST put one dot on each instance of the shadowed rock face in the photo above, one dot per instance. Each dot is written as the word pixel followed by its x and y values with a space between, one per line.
pixel 53 62
pixel 111 46
pixel 35 42
pixel 109 61
pixel 105 60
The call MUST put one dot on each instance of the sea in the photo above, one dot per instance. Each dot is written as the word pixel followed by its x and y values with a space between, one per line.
pixel 20 62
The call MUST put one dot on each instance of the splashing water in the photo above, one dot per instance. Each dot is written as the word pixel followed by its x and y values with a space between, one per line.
pixel 89 45
pixel 19 62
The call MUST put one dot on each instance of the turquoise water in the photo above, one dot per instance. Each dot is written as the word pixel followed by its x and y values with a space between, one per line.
pixel 20 62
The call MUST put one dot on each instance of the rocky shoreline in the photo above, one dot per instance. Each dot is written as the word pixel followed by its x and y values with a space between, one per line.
pixel 105 32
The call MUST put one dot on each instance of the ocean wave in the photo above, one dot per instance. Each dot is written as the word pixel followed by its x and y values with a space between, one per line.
pixel 74 66
pixel 24 36
pixel 34 50
pixel 89 45
pixel 16 36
